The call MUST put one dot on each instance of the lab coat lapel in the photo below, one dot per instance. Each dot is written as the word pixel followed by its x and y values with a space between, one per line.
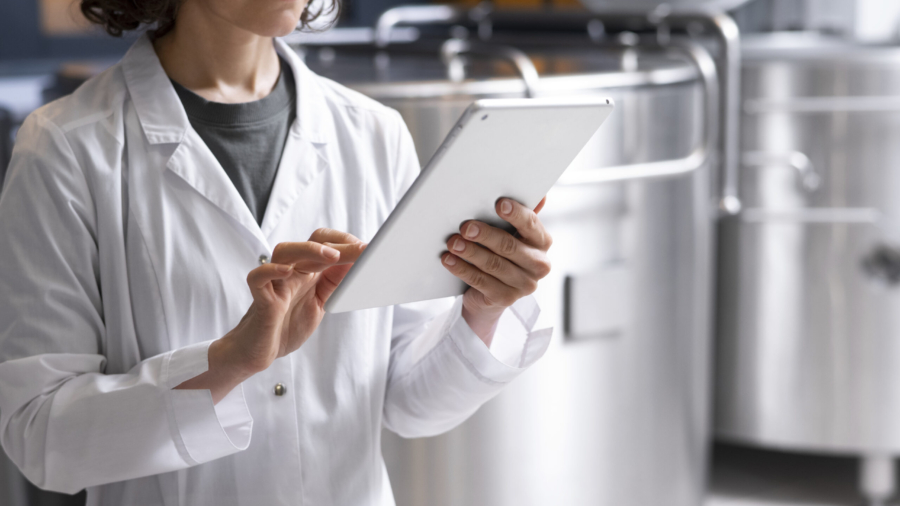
pixel 193 162
pixel 301 162
pixel 164 121
pixel 305 155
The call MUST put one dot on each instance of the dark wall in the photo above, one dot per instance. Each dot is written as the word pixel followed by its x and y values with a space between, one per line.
pixel 21 37
pixel 365 12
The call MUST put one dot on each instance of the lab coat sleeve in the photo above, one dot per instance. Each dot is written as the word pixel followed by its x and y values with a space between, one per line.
pixel 441 372
pixel 65 423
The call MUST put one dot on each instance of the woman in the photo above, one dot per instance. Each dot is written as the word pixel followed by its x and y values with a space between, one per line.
pixel 162 335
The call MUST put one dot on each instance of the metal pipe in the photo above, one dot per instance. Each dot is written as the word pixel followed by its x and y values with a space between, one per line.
pixel 414 14
pixel 453 48
pixel 797 160
pixel 699 157
pixel 729 70
pixel 821 215
pixel 866 104
pixel 729 35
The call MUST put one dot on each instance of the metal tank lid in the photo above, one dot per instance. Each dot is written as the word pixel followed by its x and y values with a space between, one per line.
pixel 419 72
pixel 808 46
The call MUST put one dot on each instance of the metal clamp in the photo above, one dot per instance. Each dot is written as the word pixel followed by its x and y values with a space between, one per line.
pixel 809 178
pixel 699 157
pixel 453 48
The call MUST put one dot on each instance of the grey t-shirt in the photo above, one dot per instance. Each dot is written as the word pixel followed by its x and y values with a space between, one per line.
pixel 247 139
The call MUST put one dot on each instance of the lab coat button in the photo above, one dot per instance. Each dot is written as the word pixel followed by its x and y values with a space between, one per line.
pixel 280 389
pixel 263 259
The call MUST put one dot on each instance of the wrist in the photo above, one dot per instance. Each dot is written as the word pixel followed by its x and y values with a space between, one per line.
pixel 224 373
pixel 482 321
pixel 227 360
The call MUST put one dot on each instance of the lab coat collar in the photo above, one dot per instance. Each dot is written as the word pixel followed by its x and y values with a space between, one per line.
pixel 159 110
pixel 314 120
pixel 164 120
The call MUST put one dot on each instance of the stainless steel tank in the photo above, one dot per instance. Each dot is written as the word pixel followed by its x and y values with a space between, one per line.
pixel 617 411
pixel 808 350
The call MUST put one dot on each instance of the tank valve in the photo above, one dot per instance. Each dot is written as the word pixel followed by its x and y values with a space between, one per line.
pixel 883 264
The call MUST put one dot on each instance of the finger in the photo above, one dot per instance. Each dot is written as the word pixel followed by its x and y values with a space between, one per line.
pixel 328 235
pixel 260 279
pixel 507 246
pixel 495 292
pixel 526 222
pixel 347 244
pixel 540 205
pixel 491 263
pixel 306 256
pixel 330 280
pixel 349 252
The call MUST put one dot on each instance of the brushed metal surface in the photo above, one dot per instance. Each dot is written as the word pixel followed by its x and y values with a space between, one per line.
pixel 809 314
pixel 609 419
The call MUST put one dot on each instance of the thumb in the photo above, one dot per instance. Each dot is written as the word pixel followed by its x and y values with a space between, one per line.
pixel 330 279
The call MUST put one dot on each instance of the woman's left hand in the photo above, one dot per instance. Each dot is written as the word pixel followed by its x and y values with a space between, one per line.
pixel 499 268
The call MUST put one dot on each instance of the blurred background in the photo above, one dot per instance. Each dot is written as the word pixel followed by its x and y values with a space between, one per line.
pixel 726 285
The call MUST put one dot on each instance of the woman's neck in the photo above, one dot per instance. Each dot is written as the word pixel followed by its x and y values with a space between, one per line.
pixel 217 60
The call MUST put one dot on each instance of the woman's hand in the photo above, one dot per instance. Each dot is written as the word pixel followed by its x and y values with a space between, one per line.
pixel 289 296
pixel 500 268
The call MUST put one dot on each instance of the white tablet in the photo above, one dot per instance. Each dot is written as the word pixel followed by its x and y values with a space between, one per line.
pixel 515 148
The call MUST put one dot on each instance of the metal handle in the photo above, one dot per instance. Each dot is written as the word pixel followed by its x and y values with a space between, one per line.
pixel 729 36
pixel 665 19
pixel 821 215
pixel 796 160
pixel 667 168
pixel 811 105
pixel 453 48
pixel 414 14
pixel 431 14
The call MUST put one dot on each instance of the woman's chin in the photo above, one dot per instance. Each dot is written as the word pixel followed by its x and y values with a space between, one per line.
pixel 279 28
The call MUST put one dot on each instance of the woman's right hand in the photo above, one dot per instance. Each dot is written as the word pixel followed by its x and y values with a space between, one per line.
pixel 289 296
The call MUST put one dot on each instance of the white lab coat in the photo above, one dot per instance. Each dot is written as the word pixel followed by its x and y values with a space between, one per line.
pixel 125 249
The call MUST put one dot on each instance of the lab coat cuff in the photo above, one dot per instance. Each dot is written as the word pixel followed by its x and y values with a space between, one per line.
pixel 518 346
pixel 210 431
pixel 204 431
pixel 186 363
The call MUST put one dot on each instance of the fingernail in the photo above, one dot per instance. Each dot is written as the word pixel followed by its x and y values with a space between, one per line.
pixel 505 207
pixel 459 245
pixel 472 231
pixel 332 253
pixel 285 268
pixel 450 260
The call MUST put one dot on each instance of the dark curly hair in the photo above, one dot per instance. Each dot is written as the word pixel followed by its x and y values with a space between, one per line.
pixel 118 16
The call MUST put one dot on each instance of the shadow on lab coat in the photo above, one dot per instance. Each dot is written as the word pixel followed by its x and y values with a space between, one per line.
pixel 15 490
